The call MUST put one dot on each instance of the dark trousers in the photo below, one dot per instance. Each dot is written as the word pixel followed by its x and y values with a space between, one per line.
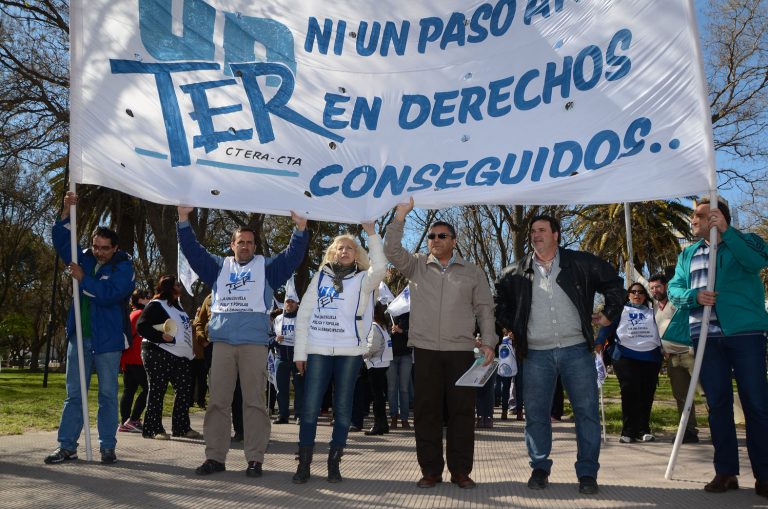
pixel 164 367
pixel 377 380
pixel 484 398
pixel 284 370
pixel 434 386
pixel 506 384
pixel 637 381
pixel 519 398
pixel 199 382
pixel 134 377
pixel 558 401
pixel 361 400
pixel 741 357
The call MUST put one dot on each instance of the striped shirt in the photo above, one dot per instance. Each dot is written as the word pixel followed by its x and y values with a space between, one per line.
pixel 699 272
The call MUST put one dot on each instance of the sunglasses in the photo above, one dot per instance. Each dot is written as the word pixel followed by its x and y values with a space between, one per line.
pixel 637 292
pixel 441 236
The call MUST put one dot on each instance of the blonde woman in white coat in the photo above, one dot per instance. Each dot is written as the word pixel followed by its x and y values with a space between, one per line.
pixel 331 331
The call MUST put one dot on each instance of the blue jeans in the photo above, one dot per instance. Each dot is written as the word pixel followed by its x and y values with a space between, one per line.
pixel 319 371
pixel 107 367
pixel 576 367
pixel 284 367
pixel 744 356
pixel 398 384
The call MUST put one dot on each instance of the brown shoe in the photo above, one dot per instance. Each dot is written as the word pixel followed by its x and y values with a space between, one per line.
pixel 393 424
pixel 429 481
pixel 463 481
pixel 722 483
pixel 405 424
pixel 761 488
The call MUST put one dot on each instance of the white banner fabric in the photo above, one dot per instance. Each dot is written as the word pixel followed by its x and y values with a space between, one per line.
pixel 340 110
pixel 401 304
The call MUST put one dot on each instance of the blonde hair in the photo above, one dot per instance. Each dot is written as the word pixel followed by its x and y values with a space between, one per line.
pixel 361 256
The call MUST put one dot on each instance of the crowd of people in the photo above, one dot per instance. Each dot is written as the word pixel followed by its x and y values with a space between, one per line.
pixel 338 342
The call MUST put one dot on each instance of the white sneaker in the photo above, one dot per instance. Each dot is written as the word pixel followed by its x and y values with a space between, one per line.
pixel 648 438
pixel 626 440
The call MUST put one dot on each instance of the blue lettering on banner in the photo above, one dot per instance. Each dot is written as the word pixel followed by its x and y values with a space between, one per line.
pixel 563 159
pixel 241 34
pixel 528 91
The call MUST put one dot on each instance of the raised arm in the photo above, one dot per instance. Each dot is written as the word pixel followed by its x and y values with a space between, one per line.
pixel 404 261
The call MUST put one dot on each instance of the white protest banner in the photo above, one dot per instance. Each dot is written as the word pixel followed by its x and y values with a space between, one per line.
pixel 401 304
pixel 339 110
pixel 290 291
pixel 385 294
pixel 187 276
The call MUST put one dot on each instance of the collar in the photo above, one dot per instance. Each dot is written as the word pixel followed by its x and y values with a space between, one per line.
pixel 455 258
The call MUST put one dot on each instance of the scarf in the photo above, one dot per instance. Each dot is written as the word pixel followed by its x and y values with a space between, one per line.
pixel 339 273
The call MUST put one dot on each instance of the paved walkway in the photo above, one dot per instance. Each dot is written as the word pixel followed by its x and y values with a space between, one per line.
pixel 379 472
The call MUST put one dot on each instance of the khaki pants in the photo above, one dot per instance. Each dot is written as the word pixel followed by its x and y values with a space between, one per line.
pixel 250 361
pixel 679 369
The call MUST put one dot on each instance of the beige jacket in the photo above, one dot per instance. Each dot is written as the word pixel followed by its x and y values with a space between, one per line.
pixel 444 306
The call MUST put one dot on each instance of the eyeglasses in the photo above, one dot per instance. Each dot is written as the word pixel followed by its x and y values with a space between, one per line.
pixel 441 236
pixel 637 292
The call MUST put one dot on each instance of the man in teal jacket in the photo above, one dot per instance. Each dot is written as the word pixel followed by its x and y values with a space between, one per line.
pixel 736 340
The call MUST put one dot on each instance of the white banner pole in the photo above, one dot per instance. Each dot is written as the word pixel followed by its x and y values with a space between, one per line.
pixel 712 260
pixel 630 251
pixel 602 410
pixel 79 328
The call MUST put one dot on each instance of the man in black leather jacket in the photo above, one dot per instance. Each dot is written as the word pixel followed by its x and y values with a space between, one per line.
pixel 546 300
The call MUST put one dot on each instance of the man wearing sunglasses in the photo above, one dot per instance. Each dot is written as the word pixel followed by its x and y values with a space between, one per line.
pixel 736 342
pixel 546 299
pixel 449 296
pixel 106 281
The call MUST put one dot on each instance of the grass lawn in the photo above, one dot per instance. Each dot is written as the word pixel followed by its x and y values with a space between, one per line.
pixel 25 405
pixel 664 418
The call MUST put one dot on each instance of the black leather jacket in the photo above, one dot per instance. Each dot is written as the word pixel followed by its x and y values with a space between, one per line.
pixel 581 276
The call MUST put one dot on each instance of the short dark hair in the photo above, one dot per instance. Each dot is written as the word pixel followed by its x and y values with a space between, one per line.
pixel 164 288
pixel 243 229
pixel 658 277
pixel 136 295
pixel 721 205
pixel 553 223
pixel 103 231
pixel 447 225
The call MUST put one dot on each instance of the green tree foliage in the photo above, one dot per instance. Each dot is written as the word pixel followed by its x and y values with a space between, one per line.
pixel 658 227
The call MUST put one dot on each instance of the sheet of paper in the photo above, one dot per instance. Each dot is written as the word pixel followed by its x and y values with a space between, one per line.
pixel 477 374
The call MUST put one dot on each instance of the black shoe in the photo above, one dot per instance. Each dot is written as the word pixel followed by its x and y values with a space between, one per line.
pixel 539 479
pixel 60 455
pixel 334 458
pixel 254 469
pixel 587 485
pixel 238 437
pixel 305 460
pixel 210 467
pixel 378 429
pixel 722 483
pixel 108 456
pixel 355 429
pixel 280 420
pixel 690 438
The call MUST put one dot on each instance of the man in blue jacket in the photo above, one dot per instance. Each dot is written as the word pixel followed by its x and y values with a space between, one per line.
pixel 243 286
pixel 736 342
pixel 106 279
